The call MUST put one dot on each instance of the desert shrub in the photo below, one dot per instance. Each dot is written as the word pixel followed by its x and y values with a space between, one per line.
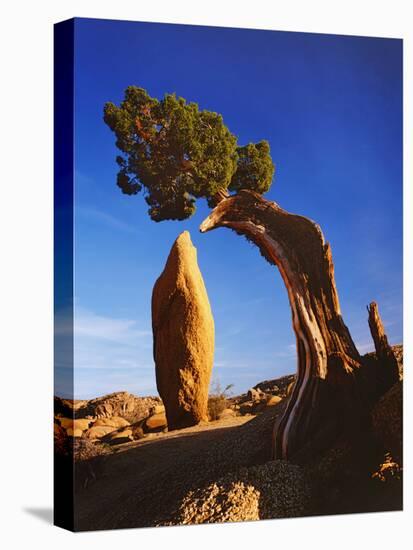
pixel 218 399
pixel 137 432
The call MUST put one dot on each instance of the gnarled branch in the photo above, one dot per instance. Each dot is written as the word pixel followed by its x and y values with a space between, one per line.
pixel 329 392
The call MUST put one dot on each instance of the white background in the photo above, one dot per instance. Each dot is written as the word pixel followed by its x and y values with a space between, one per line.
pixel 26 269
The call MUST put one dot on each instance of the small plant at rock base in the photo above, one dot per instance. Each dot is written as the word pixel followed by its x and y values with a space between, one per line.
pixel 218 399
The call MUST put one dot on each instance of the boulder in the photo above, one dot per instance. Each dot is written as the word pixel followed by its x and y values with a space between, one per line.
pixel 114 421
pixel 273 400
pixel 158 409
pixel 124 435
pixel 183 334
pixel 96 432
pixel 255 394
pixel 81 424
pixel 156 422
pixel 66 422
pixel 74 432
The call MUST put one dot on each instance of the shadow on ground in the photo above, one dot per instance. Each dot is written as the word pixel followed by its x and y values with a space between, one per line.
pixel 44 514
pixel 141 486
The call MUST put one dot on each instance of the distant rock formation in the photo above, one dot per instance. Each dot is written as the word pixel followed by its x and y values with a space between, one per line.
pixel 183 332
pixel 279 386
pixel 119 404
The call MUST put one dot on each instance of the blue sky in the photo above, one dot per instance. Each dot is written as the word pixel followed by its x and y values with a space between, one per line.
pixel 330 106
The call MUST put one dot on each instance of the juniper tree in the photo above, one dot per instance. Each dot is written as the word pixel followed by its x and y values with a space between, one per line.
pixel 176 153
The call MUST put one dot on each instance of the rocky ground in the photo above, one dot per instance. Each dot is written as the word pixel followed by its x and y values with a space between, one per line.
pixel 130 471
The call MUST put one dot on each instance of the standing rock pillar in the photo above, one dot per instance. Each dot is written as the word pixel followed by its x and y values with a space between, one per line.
pixel 183 336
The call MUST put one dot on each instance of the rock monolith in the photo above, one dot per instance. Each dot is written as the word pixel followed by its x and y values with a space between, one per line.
pixel 183 336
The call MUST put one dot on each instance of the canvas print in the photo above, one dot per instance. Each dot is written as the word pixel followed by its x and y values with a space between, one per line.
pixel 228 274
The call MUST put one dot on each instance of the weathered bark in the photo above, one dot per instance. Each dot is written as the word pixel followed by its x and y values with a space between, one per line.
pixel 387 369
pixel 219 196
pixel 330 394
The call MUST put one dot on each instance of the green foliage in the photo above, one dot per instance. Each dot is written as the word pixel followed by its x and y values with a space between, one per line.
pixel 176 153
pixel 255 168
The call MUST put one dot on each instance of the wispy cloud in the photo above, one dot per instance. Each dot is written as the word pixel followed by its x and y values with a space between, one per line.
pixel 114 359
pixel 87 323
pixel 103 217
pixel 110 354
pixel 123 331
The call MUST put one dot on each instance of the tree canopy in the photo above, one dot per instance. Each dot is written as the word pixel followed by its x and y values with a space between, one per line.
pixel 177 153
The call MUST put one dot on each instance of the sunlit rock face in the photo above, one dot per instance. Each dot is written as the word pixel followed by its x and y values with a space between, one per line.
pixel 183 333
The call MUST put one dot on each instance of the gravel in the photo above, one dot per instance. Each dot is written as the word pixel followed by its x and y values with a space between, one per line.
pixel 277 489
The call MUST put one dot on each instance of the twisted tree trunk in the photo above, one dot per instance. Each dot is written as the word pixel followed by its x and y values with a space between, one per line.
pixel 331 391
